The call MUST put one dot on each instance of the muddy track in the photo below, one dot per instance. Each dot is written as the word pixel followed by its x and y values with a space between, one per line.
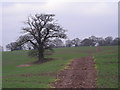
pixel 81 74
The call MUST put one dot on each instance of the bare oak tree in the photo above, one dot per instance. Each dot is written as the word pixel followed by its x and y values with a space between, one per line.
pixel 40 29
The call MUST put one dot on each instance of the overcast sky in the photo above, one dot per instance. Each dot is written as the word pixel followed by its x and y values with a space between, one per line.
pixel 81 18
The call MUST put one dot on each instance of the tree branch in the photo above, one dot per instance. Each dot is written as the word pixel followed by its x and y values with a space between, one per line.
pixel 33 43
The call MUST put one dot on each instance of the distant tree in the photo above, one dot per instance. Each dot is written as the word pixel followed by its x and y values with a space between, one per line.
pixel 57 43
pixel 68 43
pixel 108 41
pixel 76 42
pixel 40 30
pixel 14 46
pixel 28 46
pixel 10 46
pixel 94 39
pixel 116 41
pixel 101 41
pixel 87 42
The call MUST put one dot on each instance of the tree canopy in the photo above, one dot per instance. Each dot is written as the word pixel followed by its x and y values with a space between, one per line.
pixel 40 29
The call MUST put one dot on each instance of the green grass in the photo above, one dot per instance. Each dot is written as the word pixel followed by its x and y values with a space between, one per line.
pixel 11 73
pixel 107 67
pixel 13 77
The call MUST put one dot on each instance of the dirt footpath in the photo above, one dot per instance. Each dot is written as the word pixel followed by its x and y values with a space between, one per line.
pixel 80 74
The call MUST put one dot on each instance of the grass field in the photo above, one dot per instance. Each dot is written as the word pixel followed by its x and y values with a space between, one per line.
pixel 107 67
pixel 40 76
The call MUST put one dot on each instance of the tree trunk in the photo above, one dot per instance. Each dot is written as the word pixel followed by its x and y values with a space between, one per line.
pixel 40 54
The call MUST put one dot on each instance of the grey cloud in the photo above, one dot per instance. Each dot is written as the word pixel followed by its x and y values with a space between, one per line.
pixel 80 19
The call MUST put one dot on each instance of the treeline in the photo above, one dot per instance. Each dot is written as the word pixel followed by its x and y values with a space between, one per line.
pixel 94 41
pixel 76 42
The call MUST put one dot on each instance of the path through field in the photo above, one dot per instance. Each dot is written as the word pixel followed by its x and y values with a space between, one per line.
pixel 80 74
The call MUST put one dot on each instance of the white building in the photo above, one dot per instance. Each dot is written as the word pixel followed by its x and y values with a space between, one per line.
pixel 97 44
